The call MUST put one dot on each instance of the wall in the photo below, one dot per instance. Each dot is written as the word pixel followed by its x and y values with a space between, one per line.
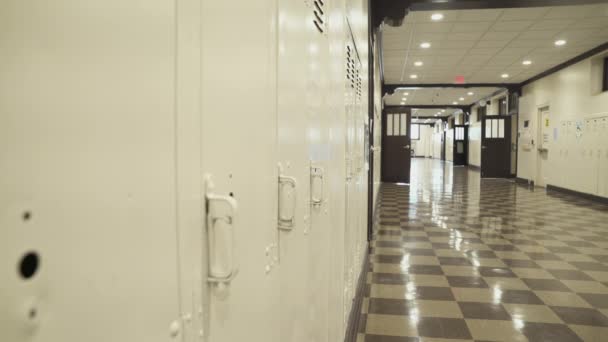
pixel 437 133
pixel 449 145
pixel 576 161
pixel 422 146
pixel 122 148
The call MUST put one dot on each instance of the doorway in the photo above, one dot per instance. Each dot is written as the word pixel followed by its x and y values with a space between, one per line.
pixel 543 136
pixel 460 145
pixel 495 147
pixel 396 147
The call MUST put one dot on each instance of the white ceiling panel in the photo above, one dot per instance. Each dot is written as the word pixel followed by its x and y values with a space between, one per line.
pixel 481 45
pixel 513 14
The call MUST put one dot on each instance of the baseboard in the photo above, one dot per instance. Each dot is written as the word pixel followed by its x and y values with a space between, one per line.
pixel 592 197
pixel 474 167
pixel 524 181
pixel 352 329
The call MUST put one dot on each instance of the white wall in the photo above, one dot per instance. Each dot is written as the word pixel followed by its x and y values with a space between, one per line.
pixel 573 96
pixel 449 145
pixel 422 146
pixel 437 133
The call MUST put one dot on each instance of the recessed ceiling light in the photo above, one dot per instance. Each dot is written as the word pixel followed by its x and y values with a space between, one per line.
pixel 454 103
pixel 402 103
pixel 526 62
pixel 470 93
pixel 560 42
pixel 425 45
pixel 504 75
pixel 443 110
pixel 461 99
pixel 406 94
pixel 404 99
pixel 418 63
pixel 436 16
pixel 413 76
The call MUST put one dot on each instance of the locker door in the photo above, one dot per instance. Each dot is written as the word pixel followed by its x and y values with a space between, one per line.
pixel 603 157
pixel 239 155
pixel 303 153
pixel 87 156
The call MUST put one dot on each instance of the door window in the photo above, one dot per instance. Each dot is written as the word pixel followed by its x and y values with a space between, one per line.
pixel 396 125
pixel 495 128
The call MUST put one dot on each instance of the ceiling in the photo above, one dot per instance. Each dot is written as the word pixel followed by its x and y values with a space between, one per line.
pixel 437 96
pixel 481 45
pixel 433 112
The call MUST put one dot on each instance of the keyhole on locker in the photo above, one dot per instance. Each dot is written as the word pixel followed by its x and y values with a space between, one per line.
pixel 26 216
pixel 32 313
pixel 29 265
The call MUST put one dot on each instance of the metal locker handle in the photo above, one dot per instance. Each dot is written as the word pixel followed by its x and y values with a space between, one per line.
pixel 213 222
pixel 287 223
pixel 313 175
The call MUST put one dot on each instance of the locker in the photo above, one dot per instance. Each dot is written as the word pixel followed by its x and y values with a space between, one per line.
pixel 141 203
pixel 83 179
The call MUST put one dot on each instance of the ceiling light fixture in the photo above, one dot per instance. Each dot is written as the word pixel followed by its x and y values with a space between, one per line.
pixel 560 42
pixel 470 93
pixel 454 103
pixel 413 76
pixel 461 99
pixel 526 62
pixel 504 75
pixel 436 16
pixel 425 45
pixel 406 94
pixel 418 63
pixel 402 103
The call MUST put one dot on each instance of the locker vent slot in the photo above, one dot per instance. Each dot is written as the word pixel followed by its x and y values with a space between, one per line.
pixel 319 18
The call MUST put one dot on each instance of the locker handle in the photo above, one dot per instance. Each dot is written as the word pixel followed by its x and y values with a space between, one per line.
pixel 213 222
pixel 316 172
pixel 287 223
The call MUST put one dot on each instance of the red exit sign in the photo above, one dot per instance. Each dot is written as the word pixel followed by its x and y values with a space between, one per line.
pixel 459 80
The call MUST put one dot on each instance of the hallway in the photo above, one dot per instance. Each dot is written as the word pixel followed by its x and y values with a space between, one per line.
pixel 457 258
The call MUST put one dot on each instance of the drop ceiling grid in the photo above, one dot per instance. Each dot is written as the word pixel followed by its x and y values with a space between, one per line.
pixel 507 37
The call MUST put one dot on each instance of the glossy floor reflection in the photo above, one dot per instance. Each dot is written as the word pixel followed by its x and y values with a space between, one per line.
pixel 456 258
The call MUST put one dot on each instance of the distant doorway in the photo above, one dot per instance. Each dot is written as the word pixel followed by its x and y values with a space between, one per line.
pixel 396 147
pixel 496 147
pixel 460 145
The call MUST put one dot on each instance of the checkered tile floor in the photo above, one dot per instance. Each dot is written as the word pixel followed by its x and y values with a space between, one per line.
pixel 456 258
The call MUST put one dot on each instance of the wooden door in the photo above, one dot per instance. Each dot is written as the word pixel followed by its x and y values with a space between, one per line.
pixel 460 145
pixel 396 147
pixel 495 147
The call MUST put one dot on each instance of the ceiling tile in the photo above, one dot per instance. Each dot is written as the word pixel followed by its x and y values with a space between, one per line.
pixel 523 13
pixel 516 25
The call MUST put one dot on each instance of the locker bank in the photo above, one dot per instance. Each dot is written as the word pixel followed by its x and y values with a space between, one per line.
pixel 303 171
